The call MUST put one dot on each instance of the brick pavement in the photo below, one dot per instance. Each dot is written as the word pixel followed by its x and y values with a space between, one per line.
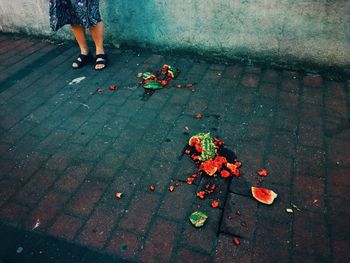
pixel 66 149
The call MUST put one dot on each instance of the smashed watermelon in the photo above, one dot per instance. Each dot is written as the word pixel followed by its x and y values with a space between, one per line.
pixel 263 195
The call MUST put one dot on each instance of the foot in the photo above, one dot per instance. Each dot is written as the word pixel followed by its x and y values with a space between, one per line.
pixel 82 60
pixel 101 61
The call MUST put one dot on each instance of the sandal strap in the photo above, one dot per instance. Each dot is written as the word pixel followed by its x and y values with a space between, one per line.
pixel 83 59
pixel 101 62
pixel 102 56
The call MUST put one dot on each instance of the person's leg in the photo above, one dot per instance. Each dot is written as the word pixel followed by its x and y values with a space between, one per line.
pixel 79 33
pixel 97 36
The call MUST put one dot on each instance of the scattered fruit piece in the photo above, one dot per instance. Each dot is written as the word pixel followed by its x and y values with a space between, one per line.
pixel 238 213
pixel 100 90
pixel 262 173
pixel 171 188
pixel 198 218
pixel 194 140
pixel 201 194
pixel 152 188
pixel 190 180
pixel 179 86
pixel 198 148
pixel 233 169
pixel 219 161
pixel 236 241
pixel 295 206
pixel 189 85
pixel 113 87
pixel 289 210
pixel 244 224
pixel 218 142
pixel 164 82
pixel 118 195
pixel 225 174
pixel 208 167
pixel 238 164
pixel 199 116
pixel 215 204
pixel 263 195
pixel 187 152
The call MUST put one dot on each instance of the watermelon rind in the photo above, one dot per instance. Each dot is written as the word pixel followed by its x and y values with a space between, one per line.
pixel 263 195
pixel 198 218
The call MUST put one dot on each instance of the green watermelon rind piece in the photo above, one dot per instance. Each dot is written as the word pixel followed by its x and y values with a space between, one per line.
pixel 153 85
pixel 208 145
pixel 147 75
pixel 198 218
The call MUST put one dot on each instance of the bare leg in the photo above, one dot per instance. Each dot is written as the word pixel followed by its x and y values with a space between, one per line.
pixel 79 34
pixel 97 36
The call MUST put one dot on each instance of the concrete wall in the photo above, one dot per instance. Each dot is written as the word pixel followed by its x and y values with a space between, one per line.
pixel 315 31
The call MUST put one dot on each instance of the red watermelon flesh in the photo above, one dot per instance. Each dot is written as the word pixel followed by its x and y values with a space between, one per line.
pixel 263 195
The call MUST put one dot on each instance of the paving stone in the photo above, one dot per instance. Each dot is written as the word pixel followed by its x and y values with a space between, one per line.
pixel 13 213
pixel 310 234
pixel 7 189
pixel 127 245
pixel 239 216
pixel 311 135
pixel 338 151
pixel 46 211
pixel 176 205
pixel 338 183
pixel 97 229
pixel 160 242
pixel 309 193
pixel 268 90
pixel 193 237
pixel 340 250
pixel 339 216
pixel 278 236
pixel 311 114
pixel 227 251
pixel 186 255
pixel 279 169
pixel 31 193
pixel 310 161
pixel 276 213
pixel 65 227
pixel 141 210
pixel 65 150
pixel 86 197
pixel 290 85
pixel 313 81
pixel 72 178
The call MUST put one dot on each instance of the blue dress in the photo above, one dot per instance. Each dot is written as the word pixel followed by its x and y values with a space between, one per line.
pixel 74 12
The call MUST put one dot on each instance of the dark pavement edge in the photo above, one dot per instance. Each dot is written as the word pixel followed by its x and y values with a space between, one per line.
pixel 21 246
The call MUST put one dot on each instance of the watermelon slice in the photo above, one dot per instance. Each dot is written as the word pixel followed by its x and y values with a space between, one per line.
pixel 263 195
pixel 208 167
pixel 194 140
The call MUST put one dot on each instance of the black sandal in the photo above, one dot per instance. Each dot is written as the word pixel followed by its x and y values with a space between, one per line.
pixel 103 61
pixel 82 60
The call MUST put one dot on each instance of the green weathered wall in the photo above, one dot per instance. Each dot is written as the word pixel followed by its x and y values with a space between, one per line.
pixel 315 31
